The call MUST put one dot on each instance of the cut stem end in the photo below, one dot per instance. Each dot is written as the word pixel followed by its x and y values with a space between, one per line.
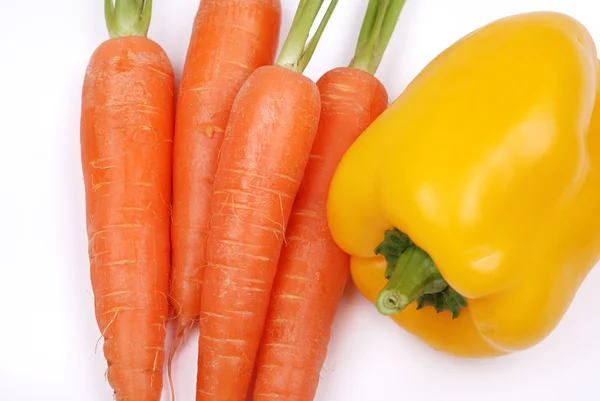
pixel 391 302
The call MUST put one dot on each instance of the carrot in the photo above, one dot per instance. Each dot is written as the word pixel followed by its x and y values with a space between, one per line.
pixel 264 153
pixel 230 39
pixel 126 139
pixel 313 270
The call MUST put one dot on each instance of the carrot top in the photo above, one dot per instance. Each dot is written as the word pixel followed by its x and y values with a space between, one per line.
pixel 375 34
pixel 296 53
pixel 127 17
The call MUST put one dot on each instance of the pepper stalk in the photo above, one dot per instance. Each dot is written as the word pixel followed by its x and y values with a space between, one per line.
pixel 413 277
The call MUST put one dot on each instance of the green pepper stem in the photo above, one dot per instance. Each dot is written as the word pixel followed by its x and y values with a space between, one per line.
pixel 378 26
pixel 127 17
pixel 295 53
pixel 414 275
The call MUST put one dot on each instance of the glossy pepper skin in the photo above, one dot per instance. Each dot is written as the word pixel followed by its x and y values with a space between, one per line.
pixel 489 162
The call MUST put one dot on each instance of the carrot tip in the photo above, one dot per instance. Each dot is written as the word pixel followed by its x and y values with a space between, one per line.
pixel 177 340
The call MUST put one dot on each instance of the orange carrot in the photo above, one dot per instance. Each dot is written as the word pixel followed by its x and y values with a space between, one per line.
pixel 230 40
pixel 126 140
pixel 313 270
pixel 267 144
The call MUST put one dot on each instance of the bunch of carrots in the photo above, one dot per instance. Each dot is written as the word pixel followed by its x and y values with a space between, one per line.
pixel 211 203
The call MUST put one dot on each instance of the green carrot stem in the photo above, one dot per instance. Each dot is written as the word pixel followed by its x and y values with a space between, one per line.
pixel 127 17
pixel 367 25
pixel 377 29
pixel 296 54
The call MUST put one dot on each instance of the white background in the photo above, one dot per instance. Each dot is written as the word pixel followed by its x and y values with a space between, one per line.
pixel 48 331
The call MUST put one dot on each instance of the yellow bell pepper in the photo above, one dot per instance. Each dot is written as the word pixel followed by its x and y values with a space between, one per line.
pixel 471 207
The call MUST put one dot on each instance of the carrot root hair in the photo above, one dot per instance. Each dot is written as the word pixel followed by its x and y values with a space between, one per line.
pixel 177 340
